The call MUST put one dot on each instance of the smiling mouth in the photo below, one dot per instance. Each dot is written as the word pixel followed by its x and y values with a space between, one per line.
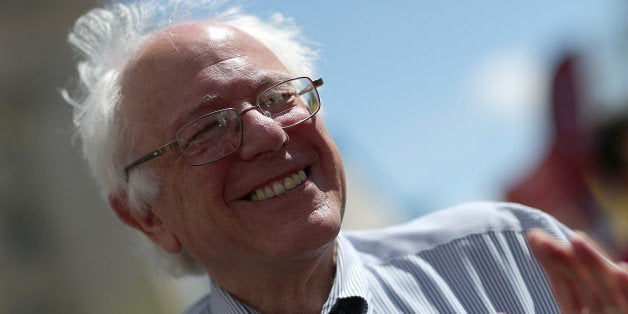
pixel 279 187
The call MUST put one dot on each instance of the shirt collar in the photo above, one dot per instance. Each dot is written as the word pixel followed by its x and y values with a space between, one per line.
pixel 221 301
pixel 350 280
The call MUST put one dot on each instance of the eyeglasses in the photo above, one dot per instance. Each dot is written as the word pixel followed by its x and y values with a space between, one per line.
pixel 218 134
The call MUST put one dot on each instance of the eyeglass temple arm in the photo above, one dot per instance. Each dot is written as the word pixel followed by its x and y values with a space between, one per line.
pixel 156 153
pixel 317 83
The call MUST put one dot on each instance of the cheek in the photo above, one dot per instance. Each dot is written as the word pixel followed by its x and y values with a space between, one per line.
pixel 195 210
pixel 328 150
pixel 331 161
pixel 196 191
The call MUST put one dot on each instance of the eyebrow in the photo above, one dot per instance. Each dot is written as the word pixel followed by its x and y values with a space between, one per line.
pixel 199 108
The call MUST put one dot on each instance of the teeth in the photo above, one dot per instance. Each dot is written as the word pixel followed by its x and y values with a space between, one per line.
pixel 302 175
pixel 279 187
pixel 289 183
pixel 269 192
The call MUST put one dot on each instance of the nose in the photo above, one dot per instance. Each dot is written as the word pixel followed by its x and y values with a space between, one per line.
pixel 261 135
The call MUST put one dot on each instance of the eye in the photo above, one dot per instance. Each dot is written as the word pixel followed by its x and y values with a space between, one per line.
pixel 205 130
pixel 279 101
pixel 272 99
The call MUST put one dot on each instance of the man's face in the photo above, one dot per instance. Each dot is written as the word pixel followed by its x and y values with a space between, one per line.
pixel 189 70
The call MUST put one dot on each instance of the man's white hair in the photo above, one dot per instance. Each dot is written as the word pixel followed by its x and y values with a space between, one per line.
pixel 106 39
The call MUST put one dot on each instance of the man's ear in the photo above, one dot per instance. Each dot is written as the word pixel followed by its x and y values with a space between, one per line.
pixel 145 221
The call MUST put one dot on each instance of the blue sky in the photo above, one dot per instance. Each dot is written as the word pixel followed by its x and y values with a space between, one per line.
pixel 442 102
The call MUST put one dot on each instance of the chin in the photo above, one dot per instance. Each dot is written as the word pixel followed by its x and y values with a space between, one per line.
pixel 313 236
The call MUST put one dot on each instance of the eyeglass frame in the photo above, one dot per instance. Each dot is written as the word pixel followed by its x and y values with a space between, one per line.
pixel 174 145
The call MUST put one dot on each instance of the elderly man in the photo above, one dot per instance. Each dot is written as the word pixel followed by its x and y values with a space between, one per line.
pixel 204 136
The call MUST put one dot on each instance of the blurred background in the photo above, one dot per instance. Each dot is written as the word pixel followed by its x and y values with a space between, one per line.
pixel 431 104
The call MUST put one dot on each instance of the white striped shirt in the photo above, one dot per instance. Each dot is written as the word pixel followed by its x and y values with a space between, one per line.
pixel 468 259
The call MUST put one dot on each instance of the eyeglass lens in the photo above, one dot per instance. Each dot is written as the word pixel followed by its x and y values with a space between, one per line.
pixel 218 134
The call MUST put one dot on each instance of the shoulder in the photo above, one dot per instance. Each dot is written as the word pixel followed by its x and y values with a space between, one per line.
pixel 451 224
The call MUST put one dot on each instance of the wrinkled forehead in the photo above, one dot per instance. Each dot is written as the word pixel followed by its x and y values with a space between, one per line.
pixel 185 48
pixel 179 64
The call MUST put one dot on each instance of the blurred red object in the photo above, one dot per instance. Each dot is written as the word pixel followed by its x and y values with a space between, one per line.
pixel 570 182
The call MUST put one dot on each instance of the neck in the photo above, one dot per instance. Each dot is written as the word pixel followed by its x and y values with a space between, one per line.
pixel 285 287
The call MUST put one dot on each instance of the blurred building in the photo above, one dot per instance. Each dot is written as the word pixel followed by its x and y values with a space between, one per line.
pixel 61 251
